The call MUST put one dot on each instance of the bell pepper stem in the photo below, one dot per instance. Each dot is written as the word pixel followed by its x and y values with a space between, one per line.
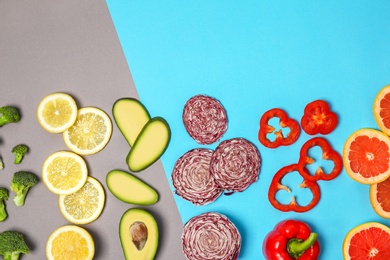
pixel 296 247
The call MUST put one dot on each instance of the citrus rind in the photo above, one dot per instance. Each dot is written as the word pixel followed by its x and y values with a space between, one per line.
pixel 82 240
pixel 90 133
pixel 381 96
pixel 90 197
pixel 57 112
pixel 371 133
pixel 64 172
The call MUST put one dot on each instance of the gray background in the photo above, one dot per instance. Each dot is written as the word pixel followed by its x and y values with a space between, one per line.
pixel 72 47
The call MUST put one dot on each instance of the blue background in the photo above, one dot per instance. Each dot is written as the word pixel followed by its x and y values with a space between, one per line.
pixel 253 56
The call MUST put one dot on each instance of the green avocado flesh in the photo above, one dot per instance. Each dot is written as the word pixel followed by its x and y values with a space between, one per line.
pixel 150 144
pixel 130 116
pixel 138 232
pixel 130 189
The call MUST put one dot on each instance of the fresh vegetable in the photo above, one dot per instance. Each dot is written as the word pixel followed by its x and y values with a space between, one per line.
pixel 150 144
pixel 318 118
pixel 9 114
pixel 21 183
pixel 205 119
pixel 369 240
pixel 192 179
pixel 128 188
pixel 211 236
pixel 12 245
pixel 3 198
pixel 130 116
pixel 138 232
pixel 327 154
pixel 366 156
pixel 284 122
pixel 276 185
pixel 291 239
pixel 19 151
pixel 235 164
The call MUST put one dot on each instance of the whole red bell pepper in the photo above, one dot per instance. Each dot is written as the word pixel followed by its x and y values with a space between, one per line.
pixel 291 239
pixel 327 154
pixel 280 139
pixel 318 118
pixel 276 185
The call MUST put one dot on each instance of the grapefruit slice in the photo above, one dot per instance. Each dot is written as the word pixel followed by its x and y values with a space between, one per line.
pixel 380 198
pixel 366 156
pixel 381 109
pixel 368 241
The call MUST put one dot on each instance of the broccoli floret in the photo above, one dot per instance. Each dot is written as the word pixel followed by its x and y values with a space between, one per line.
pixel 9 114
pixel 21 182
pixel 20 151
pixel 3 198
pixel 12 244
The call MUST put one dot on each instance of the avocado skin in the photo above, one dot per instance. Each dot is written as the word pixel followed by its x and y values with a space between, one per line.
pixel 130 250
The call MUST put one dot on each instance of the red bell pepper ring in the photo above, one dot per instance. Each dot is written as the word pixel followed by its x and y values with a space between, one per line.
pixel 327 154
pixel 276 185
pixel 291 239
pixel 318 118
pixel 285 121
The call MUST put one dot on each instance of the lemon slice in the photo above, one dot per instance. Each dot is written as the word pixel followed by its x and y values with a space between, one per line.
pixel 84 205
pixel 70 242
pixel 90 133
pixel 64 172
pixel 57 112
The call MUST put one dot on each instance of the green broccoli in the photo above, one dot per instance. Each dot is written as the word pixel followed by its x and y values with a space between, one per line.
pixel 3 198
pixel 9 114
pixel 21 182
pixel 20 151
pixel 12 244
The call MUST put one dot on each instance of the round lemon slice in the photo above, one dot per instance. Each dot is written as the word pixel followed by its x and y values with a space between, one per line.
pixel 84 205
pixel 90 133
pixel 64 172
pixel 70 242
pixel 57 112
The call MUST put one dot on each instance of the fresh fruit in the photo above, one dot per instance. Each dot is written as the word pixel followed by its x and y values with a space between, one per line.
pixel 131 116
pixel 84 205
pixel 367 241
pixel 70 242
pixel 138 232
pixel 150 144
pixel 380 198
pixel 57 112
pixel 90 133
pixel 130 189
pixel 366 156
pixel 64 172
pixel 381 109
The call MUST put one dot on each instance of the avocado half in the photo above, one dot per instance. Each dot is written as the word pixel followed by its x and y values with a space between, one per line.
pixel 138 231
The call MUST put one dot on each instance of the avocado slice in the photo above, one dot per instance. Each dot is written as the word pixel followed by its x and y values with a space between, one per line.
pixel 138 232
pixel 130 116
pixel 128 188
pixel 151 143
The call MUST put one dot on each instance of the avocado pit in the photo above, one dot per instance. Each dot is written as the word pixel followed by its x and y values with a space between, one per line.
pixel 139 234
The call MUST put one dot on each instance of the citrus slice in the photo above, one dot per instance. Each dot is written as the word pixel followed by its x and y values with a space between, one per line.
pixel 90 133
pixel 64 172
pixel 84 205
pixel 380 198
pixel 366 156
pixel 381 109
pixel 70 242
pixel 369 241
pixel 57 112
